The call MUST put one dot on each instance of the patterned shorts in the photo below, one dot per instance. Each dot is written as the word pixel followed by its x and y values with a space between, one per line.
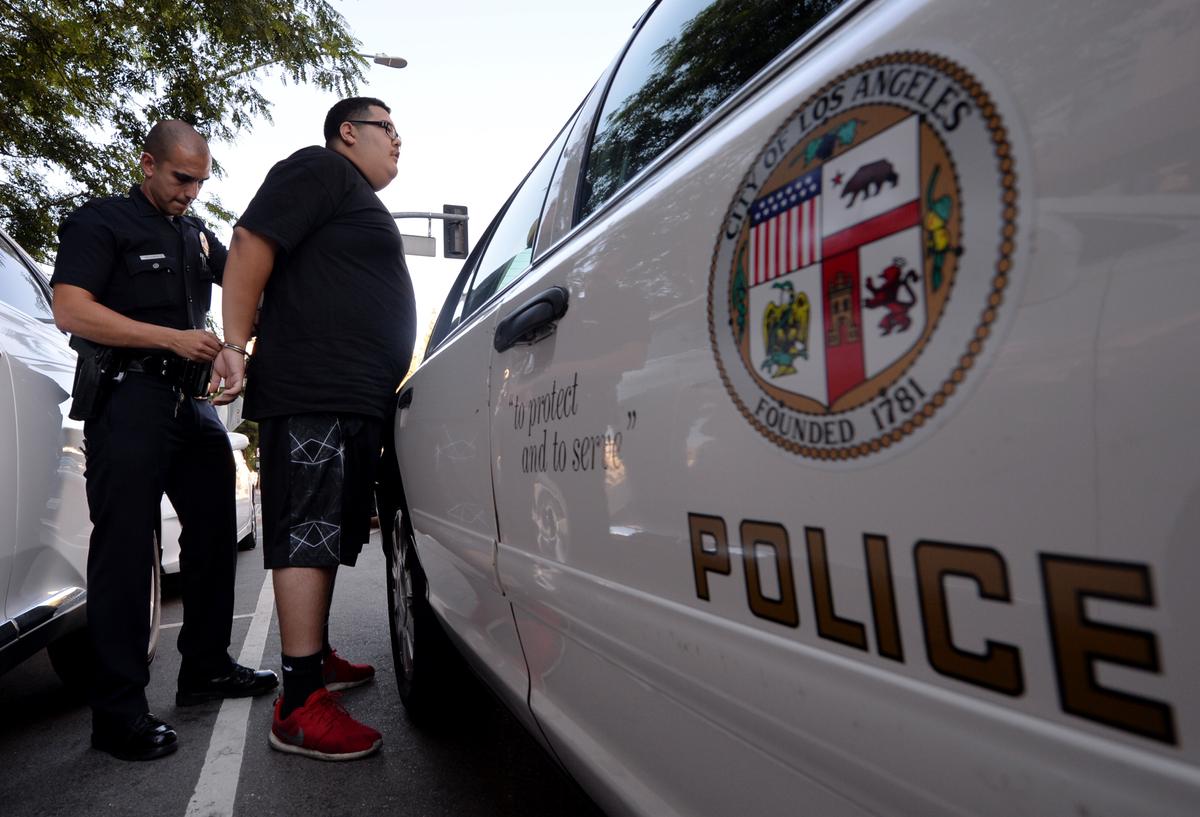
pixel 317 475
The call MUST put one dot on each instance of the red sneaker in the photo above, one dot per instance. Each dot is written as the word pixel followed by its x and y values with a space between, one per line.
pixel 338 673
pixel 323 730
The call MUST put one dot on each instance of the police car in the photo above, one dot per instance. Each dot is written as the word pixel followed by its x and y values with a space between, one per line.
pixel 812 431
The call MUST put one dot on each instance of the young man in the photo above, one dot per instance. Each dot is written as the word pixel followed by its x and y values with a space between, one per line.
pixel 134 276
pixel 336 337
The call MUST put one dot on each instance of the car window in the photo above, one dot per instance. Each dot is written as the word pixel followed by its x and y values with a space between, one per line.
pixel 19 288
pixel 687 59
pixel 510 250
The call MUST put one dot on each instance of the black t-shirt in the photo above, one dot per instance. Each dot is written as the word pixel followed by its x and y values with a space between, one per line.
pixel 136 261
pixel 338 320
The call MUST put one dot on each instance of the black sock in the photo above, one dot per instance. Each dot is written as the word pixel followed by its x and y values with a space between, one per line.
pixel 301 678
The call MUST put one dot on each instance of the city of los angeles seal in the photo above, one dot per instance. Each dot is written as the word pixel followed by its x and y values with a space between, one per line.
pixel 866 258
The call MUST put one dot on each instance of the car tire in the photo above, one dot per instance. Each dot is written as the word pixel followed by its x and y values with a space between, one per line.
pixel 71 655
pixel 430 674
pixel 71 658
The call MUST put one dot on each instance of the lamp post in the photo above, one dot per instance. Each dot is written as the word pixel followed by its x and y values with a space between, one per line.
pixel 384 60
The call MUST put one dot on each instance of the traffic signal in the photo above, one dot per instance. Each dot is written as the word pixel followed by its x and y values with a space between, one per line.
pixel 454 232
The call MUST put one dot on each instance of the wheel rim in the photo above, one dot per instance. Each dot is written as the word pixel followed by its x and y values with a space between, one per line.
pixel 155 602
pixel 402 606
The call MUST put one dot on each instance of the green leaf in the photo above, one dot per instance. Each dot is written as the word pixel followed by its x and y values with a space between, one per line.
pixel 82 82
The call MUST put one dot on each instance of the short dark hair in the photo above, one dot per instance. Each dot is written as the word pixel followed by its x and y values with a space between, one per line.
pixel 169 133
pixel 355 107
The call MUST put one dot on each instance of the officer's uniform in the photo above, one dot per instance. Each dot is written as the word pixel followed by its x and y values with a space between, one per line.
pixel 147 439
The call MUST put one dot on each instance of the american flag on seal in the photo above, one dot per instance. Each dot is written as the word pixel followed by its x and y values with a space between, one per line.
pixel 785 229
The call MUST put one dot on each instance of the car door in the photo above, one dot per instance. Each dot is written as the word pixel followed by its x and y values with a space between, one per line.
pixel 864 591
pixel 47 526
pixel 447 398
pixel 450 501
pixel 9 480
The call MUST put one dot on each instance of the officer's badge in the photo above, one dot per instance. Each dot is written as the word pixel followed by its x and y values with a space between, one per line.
pixel 203 244
pixel 868 260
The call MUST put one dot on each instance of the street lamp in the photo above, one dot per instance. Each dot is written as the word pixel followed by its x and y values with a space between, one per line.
pixel 384 60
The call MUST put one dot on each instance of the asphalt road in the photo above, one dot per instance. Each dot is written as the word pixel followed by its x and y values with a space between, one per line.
pixel 485 766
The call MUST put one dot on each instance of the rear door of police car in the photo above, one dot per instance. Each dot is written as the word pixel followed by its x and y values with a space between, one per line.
pixel 832 485
pixel 443 437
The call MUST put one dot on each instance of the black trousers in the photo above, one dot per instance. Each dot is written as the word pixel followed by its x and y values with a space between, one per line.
pixel 137 448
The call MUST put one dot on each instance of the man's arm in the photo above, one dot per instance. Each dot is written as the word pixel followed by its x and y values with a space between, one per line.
pixel 247 269
pixel 77 311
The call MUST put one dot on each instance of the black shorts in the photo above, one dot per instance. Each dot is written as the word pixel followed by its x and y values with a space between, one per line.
pixel 317 477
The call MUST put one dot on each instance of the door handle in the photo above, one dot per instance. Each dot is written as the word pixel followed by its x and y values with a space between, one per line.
pixel 532 320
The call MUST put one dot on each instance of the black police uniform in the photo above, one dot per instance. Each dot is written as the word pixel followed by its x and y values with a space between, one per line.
pixel 147 439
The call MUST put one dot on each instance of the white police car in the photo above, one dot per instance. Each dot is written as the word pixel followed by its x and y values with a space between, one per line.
pixel 812 432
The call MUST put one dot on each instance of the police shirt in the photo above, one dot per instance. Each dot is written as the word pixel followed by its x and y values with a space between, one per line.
pixel 338 320
pixel 136 261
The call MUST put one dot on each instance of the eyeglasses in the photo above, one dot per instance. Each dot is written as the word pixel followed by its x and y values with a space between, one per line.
pixel 387 126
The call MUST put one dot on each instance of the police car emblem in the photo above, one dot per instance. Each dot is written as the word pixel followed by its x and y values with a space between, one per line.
pixel 867 259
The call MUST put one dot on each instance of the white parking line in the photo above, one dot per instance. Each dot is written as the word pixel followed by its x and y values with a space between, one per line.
pixel 217 786
pixel 179 624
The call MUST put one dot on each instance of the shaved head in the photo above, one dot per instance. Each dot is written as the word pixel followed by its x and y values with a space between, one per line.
pixel 175 164
pixel 171 133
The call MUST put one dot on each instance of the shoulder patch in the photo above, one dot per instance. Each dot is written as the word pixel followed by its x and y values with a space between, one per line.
pixel 104 201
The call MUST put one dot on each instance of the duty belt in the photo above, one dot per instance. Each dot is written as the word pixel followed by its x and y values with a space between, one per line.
pixel 171 368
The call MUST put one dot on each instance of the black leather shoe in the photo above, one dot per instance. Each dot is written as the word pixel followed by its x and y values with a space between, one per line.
pixel 239 682
pixel 144 738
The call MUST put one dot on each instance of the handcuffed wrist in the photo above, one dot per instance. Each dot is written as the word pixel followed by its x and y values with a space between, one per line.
pixel 234 347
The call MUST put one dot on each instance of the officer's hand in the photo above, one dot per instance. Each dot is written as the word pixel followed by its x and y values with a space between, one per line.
pixel 196 344
pixel 229 366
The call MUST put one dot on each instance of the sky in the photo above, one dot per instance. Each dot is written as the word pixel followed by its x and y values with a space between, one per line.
pixel 487 87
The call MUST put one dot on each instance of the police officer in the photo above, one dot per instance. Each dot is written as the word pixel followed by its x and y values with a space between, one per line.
pixel 133 277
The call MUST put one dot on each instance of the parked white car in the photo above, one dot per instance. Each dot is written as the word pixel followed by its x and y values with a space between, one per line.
pixel 43 507
pixel 810 431
pixel 44 524
pixel 246 496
